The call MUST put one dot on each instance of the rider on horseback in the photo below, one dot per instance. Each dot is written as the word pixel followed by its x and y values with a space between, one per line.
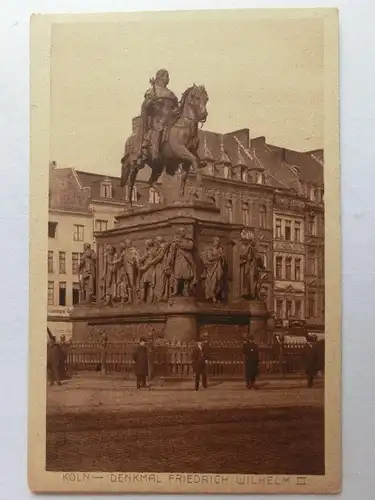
pixel 159 109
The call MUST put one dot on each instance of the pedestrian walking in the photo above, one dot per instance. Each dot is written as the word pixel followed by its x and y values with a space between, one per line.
pixel 311 358
pixel 251 361
pixel 53 361
pixel 63 357
pixel 199 361
pixel 140 357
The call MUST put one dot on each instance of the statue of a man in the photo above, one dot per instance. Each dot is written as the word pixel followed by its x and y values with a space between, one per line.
pixel 159 109
pixel 162 270
pixel 214 271
pixel 109 275
pixel 181 263
pixel 126 273
pixel 147 272
pixel 251 263
pixel 87 274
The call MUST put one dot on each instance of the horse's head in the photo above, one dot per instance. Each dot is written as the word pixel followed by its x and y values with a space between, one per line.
pixel 195 98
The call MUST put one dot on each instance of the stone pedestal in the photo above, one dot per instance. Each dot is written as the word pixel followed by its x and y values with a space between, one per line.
pixel 258 320
pixel 182 318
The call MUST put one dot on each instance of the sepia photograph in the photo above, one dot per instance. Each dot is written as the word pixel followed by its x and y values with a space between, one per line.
pixel 185 252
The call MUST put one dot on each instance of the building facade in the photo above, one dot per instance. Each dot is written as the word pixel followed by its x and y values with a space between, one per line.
pixel 276 193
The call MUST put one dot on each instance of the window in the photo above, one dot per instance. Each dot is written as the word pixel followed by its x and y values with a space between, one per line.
pixel 227 172
pixel 106 190
pixel 279 309
pixel 51 293
pixel 75 262
pixel 135 194
pixel 297 309
pixel 52 229
pixel 297 231
pixel 62 263
pixel 311 262
pixel 311 225
pixel 50 261
pixel 278 228
pixel 78 232
pixel 312 193
pixel 245 214
pixel 279 268
pixel 244 175
pixel 311 304
pixel 289 306
pixel 101 225
pixel 259 178
pixel 75 293
pixel 229 210
pixel 297 269
pixel 262 216
pixel 288 230
pixel 288 268
pixel 62 293
pixel 153 196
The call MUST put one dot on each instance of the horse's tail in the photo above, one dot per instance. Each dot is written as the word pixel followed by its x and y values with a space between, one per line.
pixel 125 169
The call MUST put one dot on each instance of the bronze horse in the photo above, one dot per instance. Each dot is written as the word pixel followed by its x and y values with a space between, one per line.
pixel 179 148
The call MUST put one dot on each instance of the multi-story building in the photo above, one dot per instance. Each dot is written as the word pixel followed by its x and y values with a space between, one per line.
pixel 276 193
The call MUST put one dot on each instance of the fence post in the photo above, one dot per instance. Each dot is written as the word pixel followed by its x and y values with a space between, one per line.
pixel 281 355
pixel 150 342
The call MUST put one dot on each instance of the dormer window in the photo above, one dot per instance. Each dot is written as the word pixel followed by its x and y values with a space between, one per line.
pixel 312 193
pixel 259 178
pixel 106 189
pixel 227 172
pixel 244 175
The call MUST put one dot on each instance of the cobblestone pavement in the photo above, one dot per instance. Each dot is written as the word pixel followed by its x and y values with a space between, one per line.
pixel 106 393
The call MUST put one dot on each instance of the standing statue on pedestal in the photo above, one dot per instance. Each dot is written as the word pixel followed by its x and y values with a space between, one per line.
pixel 251 263
pixel 87 274
pixel 167 137
pixel 161 270
pixel 215 265
pixel 109 275
pixel 181 263
pixel 127 273
pixel 147 273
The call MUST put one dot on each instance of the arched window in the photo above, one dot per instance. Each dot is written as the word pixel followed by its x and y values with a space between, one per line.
pixel 244 174
pixel 229 210
pixel 245 212
pixel 227 172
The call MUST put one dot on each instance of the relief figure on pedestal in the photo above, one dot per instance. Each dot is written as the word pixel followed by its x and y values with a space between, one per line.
pixel 147 273
pixel 251 263
pixel 108 278
pixel 215 267
pixel 161 270
pixel 181 263
pixel 127 273
pixel 87 274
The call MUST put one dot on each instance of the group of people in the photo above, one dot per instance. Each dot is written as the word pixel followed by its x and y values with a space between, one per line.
pixel 201 357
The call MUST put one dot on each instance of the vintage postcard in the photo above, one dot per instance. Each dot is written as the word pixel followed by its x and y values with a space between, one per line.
pixel 185 252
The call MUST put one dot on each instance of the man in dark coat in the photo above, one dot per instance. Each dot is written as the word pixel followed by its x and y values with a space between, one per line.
pixel 311 358
pixel 251 361
pixel 140 357
pixel 199 362
pixel 53 361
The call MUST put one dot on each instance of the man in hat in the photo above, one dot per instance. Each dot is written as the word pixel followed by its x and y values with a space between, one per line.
pixel 251 361
pixel 199 362
pixel 311 358
pixel 53 361
pixel 140 357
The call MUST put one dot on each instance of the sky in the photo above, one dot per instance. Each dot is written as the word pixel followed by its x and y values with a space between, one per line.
pixel 263 74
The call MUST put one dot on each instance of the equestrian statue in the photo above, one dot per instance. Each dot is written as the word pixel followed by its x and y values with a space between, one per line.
pixel 167 135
